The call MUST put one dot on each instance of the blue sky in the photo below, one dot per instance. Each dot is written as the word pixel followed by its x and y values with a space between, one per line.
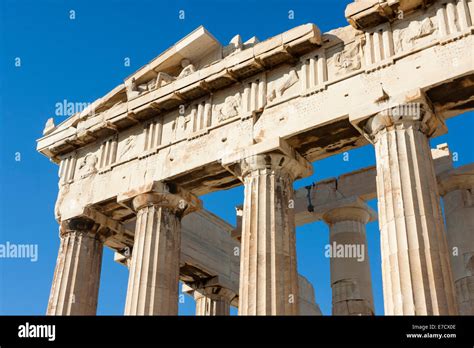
pixel 80 60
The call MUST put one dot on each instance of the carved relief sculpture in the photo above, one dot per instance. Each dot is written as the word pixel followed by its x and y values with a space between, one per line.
pixel 348 60
pixel 49 126
pixel 278 88
pixel 235 45
pixel 164 78
pixel 88 166
pixel 129 144
pixel 230 108
pixel 415 30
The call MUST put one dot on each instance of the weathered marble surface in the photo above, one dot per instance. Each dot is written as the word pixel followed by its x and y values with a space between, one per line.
pixel 198 116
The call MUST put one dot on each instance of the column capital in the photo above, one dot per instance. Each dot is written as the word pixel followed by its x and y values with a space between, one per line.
pixel 212 301
pixel 82 224
pixel 461 178
pixel 350 210
pixel 274 155
pixel 442 158
pixel 415 112
pixel 86 226
pixel 214 293
pixel 161 194
pixel 274 162
pixel 209 288
pixel 79 224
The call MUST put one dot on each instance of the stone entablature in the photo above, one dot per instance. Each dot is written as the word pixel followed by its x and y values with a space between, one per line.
pixel 363 14
pixel 349 67
pixel 380 45
pixel 111 112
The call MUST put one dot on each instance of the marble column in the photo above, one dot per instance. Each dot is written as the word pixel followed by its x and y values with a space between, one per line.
pixel 268 275
pixel 351 282
pixel 416 273
pixel 154 267
pixel 457 189
pixel 210 303
pixel 75 287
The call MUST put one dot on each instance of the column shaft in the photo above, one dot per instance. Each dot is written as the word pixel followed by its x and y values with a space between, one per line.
pixel 459 212
pixel 415 264
pixel 211 305
pixel 154 271
pixel 350 272
pixel 75 287
pixel 268 276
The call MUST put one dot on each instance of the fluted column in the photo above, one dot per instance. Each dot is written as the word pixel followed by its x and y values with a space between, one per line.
pixel 154 268
pixel 350 270
pixel 75 287
pixel 416 273
pixel 457 190
pixel 268 276
pixel 209 304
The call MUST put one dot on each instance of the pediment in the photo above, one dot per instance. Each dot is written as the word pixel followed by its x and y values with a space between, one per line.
pixel 200 47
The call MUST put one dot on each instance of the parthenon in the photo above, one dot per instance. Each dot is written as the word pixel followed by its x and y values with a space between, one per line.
pixel 204 117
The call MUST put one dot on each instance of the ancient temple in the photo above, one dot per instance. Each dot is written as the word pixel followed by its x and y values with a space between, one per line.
pixel 204 116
